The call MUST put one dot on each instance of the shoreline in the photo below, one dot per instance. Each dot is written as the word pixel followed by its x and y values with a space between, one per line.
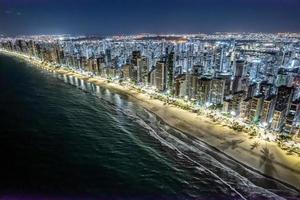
pixel 239 152
pixel 267 158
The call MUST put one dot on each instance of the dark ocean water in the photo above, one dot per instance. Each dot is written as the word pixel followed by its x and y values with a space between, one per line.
pixel 61 137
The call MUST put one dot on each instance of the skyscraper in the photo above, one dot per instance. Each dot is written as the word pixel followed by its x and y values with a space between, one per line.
pixel 160 76
pixel 170 71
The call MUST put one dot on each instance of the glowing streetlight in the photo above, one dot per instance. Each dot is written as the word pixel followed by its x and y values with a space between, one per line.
pixel 207 104
pixel 264 124
pixel 233 113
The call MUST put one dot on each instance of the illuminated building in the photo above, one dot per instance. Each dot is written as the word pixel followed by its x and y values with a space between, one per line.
pixel 170 70
pixel 256 108
pixel 217 91
pixel 292 120
pixel 160 76
pixel 204 90
pixel 245 107
pixel 267 110
pixel 248 74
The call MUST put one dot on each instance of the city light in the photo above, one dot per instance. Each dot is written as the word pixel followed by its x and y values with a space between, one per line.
pixel 220 75
pixel 233 113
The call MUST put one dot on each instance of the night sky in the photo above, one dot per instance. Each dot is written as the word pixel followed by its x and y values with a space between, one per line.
pixel 111 17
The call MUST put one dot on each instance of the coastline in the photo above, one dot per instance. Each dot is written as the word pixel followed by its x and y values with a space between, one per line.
pixel 267 158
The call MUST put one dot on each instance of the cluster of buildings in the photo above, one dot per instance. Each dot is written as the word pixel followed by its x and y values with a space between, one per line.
pixel 255 77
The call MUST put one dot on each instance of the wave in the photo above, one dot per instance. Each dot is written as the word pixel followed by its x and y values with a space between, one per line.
pixel 190 150
pixel 183 149
pixel 240 185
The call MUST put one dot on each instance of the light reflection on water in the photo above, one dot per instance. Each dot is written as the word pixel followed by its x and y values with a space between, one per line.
pixel 92 141
pixel 176 140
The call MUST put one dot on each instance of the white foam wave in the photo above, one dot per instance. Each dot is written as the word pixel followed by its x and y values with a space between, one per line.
pixel 182 147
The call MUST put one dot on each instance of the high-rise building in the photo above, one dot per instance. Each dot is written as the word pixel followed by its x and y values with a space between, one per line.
pixel 278 119
pixel 142 70
pixel 236 102
pixel 180 88
pixel 251 90
pixel 108 57
pixel 245 107
pixel 239 69
pixel 292 120
pixel 170 70
pixel 100 64
pixel 256 108
pixel 265 88
pixel 160 76
pixel 151 77
pixel 127 71
pixel 284 96
pixel 217 91
pixel 267 110
pixel 204 90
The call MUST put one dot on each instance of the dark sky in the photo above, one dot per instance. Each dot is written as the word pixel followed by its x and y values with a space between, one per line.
pixel 152 16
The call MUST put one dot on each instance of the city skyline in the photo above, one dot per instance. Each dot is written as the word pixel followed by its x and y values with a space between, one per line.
pixel 247 75
pixel 28 17
pixel 150 99
pixel 244 85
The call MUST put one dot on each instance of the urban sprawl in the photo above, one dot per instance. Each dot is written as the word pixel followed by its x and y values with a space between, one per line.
pixel 250 80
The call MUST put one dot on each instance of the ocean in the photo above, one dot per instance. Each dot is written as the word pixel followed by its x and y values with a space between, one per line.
pixel 64 138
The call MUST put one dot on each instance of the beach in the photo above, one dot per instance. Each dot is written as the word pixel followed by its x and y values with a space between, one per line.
pixel 265 157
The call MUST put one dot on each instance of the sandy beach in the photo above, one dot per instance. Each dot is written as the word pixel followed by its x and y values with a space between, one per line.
pixel 265 157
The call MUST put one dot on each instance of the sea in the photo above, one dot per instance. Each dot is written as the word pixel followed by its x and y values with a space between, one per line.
pixel 65 138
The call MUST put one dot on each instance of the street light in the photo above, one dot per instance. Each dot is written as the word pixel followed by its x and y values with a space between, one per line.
pixel 233 113
pixel 207 104
pixel 264 124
